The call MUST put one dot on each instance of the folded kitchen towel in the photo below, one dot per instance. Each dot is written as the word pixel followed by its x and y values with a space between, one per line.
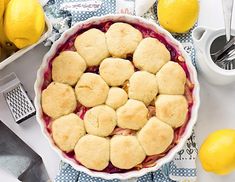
pixel 65 13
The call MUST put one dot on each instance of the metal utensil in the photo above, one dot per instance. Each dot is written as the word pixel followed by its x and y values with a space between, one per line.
pixel 19 159
pixel 227 11
pixel 226 54
pixel 16 97
pixel 222 52
pixel 227 61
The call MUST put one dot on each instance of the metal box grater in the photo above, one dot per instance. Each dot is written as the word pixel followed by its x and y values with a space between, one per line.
pixel 16 97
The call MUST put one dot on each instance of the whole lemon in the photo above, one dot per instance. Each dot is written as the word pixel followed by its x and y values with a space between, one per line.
pixel 1 9
pixel 6 2
pixel 217 153
pixel 24 22
pixel 177 16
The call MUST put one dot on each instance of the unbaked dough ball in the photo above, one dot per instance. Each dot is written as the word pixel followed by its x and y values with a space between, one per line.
pixel 68 67
pixel 155 137
pixel 126 152
pixel 116 97
pixel 132 115
pixel 143 87
pixel 93 152
pixel 172 109
pixel 122 39
pixel 116 71
pixel 171 79
pixel 100 120
pixel 151 55
pixel 91 90
pixel 58 99
pixel 67 130
pixel 91 45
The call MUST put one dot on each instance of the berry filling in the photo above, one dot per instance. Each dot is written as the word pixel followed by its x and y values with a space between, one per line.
pixel 81 110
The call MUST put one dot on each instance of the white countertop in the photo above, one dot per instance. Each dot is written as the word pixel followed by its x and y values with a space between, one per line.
pixel 217 109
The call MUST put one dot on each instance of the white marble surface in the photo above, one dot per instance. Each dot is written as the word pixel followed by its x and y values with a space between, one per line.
pixel 217 103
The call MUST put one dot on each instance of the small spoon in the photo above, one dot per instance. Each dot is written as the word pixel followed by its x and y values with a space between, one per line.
pixel 227 10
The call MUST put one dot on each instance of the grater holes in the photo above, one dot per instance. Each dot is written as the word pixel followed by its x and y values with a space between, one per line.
pixel 19 103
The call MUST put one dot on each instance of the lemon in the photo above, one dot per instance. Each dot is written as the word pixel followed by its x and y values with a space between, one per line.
pixel 177 16
pixel 5 43
pixel 6 2
pixel 217 153
pixel 1 9
pixel 24 22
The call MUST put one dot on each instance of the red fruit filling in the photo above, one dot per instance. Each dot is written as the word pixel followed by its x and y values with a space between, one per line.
pixel 81 110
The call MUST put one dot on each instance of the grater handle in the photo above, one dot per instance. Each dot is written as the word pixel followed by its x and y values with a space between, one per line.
pixel 8 81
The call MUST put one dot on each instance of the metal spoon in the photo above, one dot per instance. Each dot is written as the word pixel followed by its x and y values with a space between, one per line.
pixel 221 53
pixel 227 11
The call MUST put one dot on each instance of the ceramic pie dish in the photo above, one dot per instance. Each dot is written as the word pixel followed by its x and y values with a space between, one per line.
pixel 124 127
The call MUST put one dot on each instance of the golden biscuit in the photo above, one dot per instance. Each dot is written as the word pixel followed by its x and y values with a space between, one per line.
pixel 122 39
pixel 91 90
pixel 91 45
pixel 68 67
pixel 151 55
pixel 58 99
pixel 116 71
pixel 116 97
pixel 67 130
pixel 100 120
pixel 126 152
pixel 155 137
pixel 132 115
pixel 143 87
pixel 172 109
pixel 171 79
pixel 93 152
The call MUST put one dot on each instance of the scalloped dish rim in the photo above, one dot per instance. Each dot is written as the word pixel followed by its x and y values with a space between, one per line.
pixel 189 127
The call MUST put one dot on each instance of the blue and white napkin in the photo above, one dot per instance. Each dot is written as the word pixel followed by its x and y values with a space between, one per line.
pixel 65 13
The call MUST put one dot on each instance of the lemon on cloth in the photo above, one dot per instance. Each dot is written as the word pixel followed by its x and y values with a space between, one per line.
pixel 217 153
pixel 24 22
pixel 177 16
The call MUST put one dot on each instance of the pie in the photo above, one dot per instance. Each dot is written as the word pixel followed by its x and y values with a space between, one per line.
pixel 116 97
